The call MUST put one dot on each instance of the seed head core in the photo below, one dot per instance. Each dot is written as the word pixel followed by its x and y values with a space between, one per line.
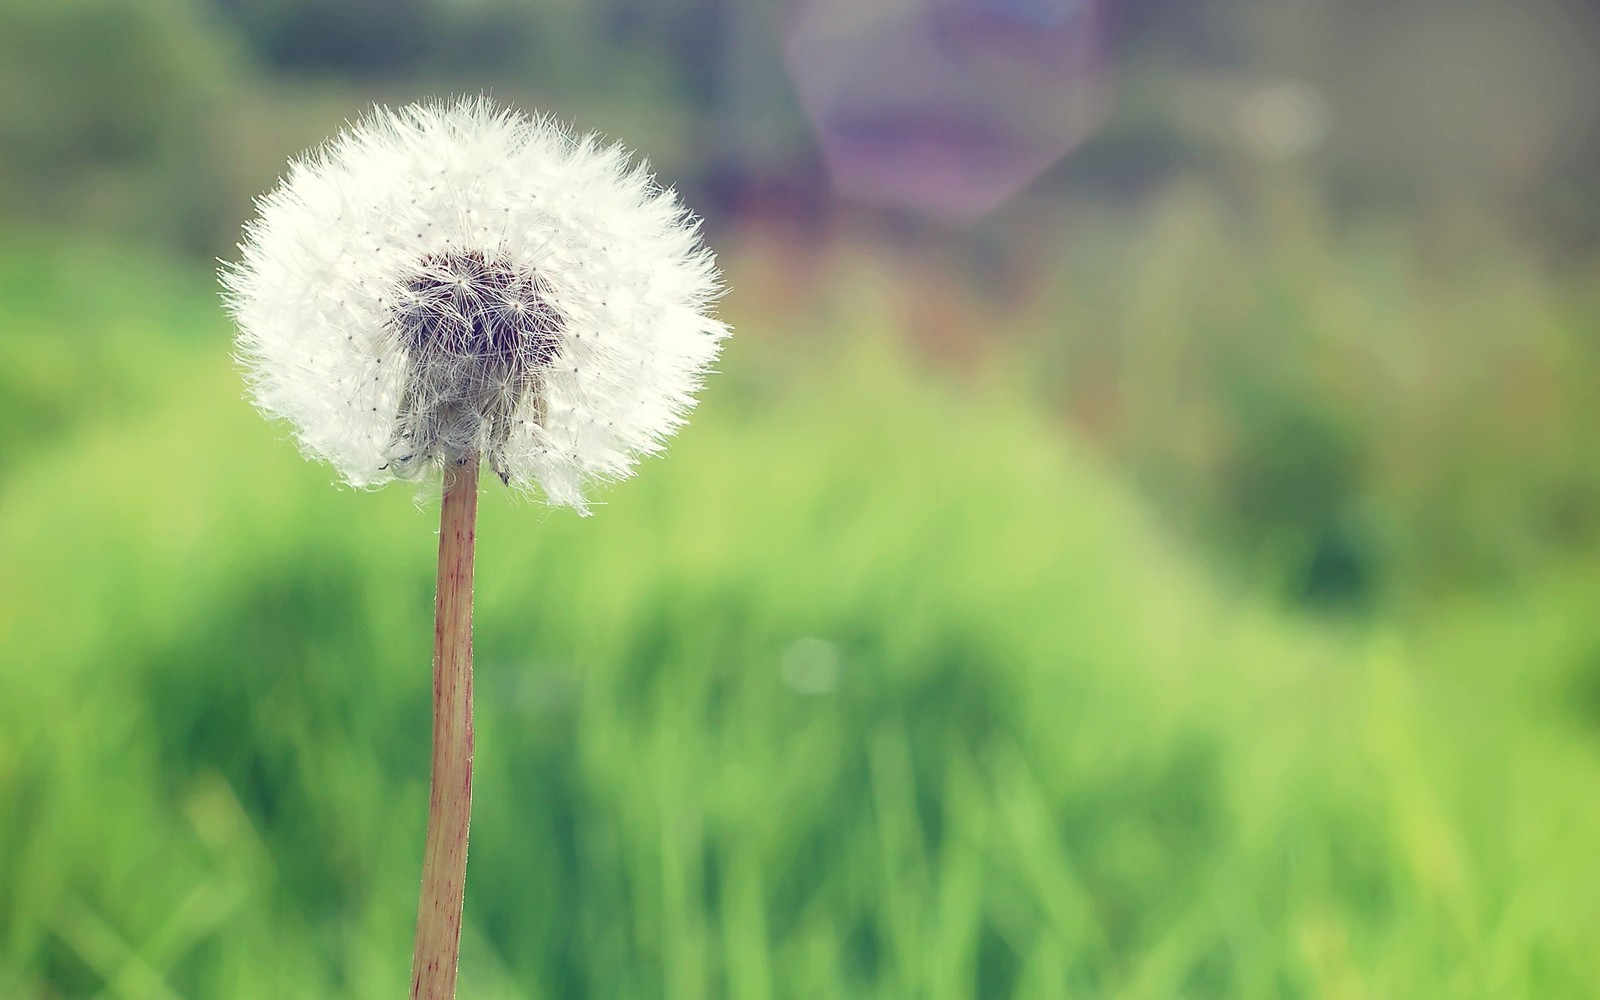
pixel 477 332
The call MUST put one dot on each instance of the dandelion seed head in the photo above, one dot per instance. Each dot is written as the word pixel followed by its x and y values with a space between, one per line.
pixel 453 279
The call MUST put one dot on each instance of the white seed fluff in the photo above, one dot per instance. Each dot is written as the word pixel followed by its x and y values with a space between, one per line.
pixel 455 279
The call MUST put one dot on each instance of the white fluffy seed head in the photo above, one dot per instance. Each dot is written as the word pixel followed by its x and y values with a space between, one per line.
pixel 449 280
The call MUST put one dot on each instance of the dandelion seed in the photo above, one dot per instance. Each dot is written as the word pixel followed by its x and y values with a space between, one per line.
pixel 589 300
pixel 401 339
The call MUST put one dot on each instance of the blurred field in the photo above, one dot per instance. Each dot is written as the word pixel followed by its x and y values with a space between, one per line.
pixel 880 684
pixel 1180 584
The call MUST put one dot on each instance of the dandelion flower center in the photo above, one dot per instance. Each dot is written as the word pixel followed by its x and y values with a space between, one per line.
pixel 477 333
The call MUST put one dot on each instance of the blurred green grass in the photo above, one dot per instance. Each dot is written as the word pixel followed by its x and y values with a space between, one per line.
pixel 875 686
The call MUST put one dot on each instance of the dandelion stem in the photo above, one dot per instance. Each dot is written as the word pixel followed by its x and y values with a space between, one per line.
pixel 444 866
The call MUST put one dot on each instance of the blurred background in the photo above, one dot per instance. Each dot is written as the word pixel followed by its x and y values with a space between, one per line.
pixel 1212 608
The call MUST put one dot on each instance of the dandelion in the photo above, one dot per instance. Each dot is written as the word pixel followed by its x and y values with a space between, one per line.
pixel 450 285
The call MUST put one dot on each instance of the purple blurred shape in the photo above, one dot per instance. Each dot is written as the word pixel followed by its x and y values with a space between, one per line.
pixel 946 106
